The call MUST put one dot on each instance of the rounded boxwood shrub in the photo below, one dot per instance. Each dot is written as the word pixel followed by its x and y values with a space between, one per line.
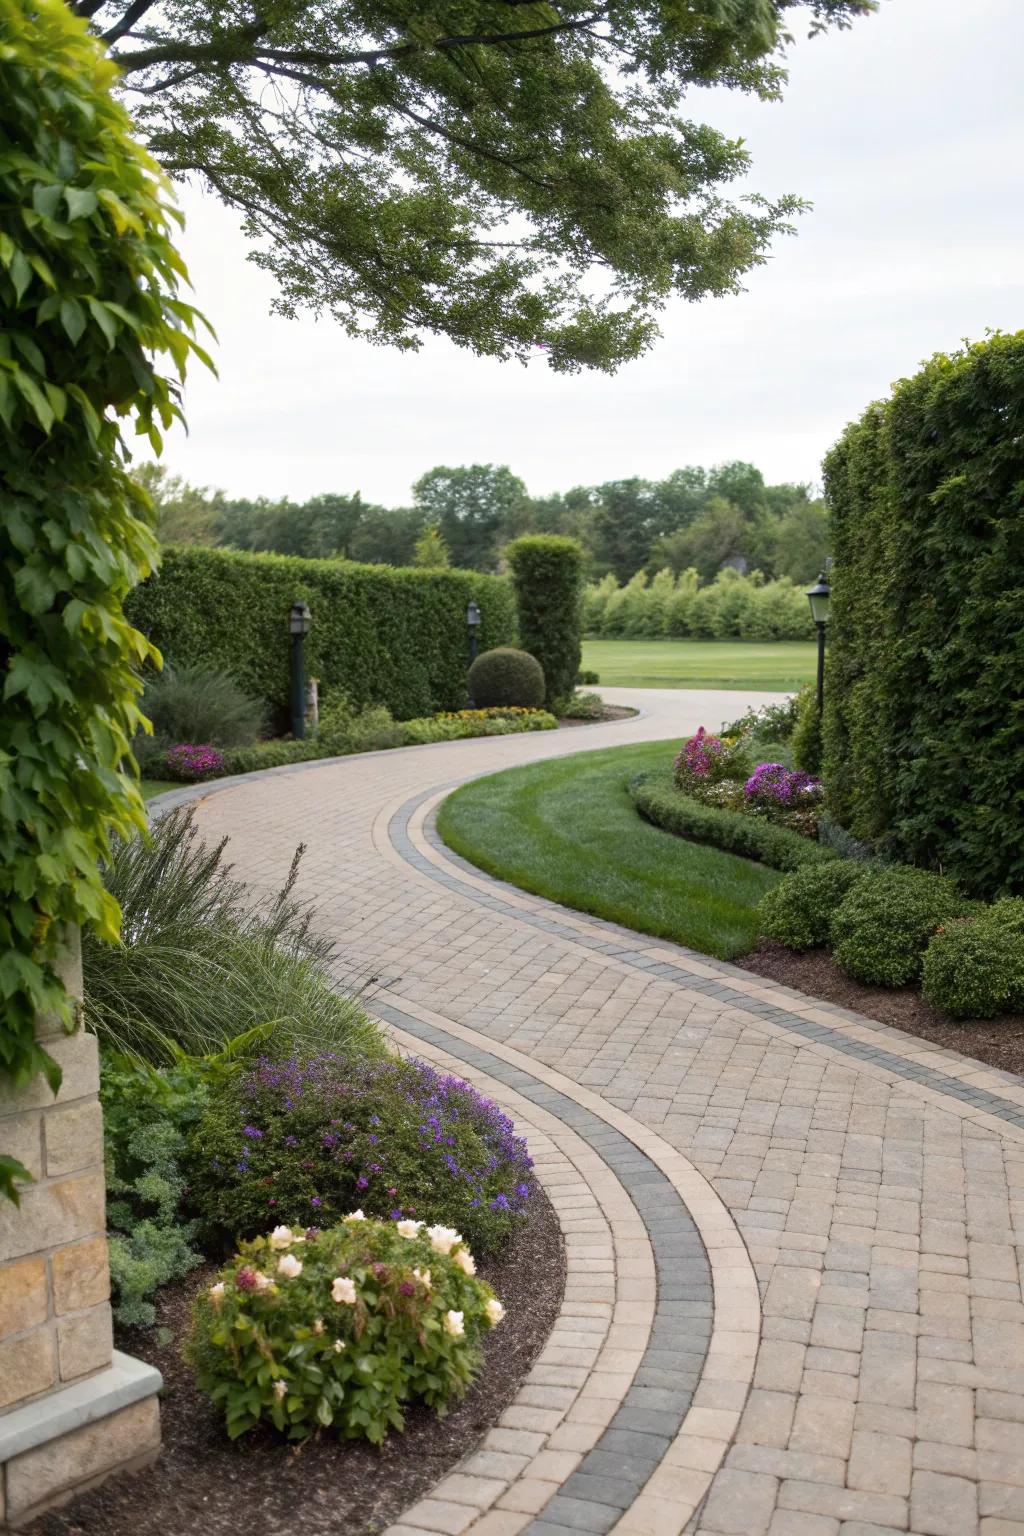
pixel 341 1329
pixel 506 676
pixel 305 1140
pixel 974 967
pixel 882 927
pixel 799 910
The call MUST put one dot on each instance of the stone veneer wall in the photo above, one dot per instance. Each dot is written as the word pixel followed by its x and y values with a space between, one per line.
pixel 55 1320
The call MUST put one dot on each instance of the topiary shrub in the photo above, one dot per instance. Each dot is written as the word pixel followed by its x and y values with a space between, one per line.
pixel 883 925
pixel 547 571
pixel 506 676
pixel 799 911
pixel 807 743
pixel 974 967
pixel 659 801
pixel 306 1139
pixel 91 317
pixel 341 1329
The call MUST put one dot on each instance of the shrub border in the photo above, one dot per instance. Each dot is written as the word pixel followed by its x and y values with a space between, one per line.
pixel 658 801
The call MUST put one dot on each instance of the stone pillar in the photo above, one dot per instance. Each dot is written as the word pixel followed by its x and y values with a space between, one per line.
pixel 72 1409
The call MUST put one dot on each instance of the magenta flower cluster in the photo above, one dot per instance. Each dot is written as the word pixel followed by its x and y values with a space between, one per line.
pixel 774 784
pixel 191 762
pixel 699 755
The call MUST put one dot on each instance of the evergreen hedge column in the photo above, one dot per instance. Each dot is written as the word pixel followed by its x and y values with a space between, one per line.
pixel 88 279
pixel 548 574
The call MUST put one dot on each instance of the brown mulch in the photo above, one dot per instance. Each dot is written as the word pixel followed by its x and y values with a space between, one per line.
pixel 998 1042
pixel 610 712
pixel 327 1487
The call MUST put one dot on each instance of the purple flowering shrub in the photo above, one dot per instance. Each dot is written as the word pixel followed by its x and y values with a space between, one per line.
pixel 307 1140
pixel 790 797
pixel 705 760
pixel 190 763
pixel 341 1329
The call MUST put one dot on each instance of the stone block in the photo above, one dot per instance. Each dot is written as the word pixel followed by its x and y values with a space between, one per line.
pixel 23 1139
pixel 27 1366
pixel 23 1298
pixel 51 1215
pixel 74 1137
pixel 81 1275
pixel 78 1058
pixel 85 1342
pixel 43 1476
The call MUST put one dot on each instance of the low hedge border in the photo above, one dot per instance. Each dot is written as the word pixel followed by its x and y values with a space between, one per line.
pixel 659 801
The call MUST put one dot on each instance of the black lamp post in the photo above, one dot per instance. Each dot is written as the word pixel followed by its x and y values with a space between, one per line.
pixel 820 597
pixel 472 624
pixel 300 622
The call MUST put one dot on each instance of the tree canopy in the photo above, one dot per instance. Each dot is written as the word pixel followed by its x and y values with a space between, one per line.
pixel 509 173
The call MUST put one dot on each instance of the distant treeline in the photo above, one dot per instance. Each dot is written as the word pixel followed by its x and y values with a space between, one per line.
pixel 699 519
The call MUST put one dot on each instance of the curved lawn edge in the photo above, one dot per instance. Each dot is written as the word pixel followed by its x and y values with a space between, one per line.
pixel 566 829
pixel 660 802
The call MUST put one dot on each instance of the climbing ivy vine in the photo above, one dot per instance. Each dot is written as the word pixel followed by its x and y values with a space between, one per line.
pixel 89 281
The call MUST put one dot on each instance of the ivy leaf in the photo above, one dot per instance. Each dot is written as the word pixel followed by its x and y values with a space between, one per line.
pixel 10 1171
pixel 35 589
pixel 81 201
pixel 104 319
pixel 72 318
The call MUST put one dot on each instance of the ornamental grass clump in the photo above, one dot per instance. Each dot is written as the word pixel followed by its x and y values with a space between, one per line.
pixel 304 1139
pixel 342 1329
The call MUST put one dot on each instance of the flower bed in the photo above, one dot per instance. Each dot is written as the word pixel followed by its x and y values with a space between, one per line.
pixel 660 802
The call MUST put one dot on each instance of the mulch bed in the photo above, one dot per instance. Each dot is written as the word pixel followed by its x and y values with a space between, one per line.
pixel 997 1042
pixel 610 712
pixel 263 1487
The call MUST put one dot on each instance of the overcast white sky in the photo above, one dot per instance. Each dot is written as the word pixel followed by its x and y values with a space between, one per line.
pixel 907 133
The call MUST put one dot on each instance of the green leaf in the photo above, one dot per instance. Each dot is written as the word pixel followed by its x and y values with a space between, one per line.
pixel 11 1174
pixel 104 319
pixel 72 318
pixel 81 202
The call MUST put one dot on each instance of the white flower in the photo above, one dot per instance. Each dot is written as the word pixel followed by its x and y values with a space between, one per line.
pixel 423 1276
pixel 289 1266
pixel 453 1324
pixel 344 1290
pixel 217 1293
pixel 280 1388
pixel 318 1326
pixel 464 1259
pixel 263 1282
pixel 443 1239
pixel 495 1311
pixel 408 1228
pixel 354 1216
pixel 338 1346
pixel 283 1237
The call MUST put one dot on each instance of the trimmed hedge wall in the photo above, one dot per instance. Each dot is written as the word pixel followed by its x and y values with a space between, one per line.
pixel 659 801
pixel 923 728
pixel 380 635
pixel 548 574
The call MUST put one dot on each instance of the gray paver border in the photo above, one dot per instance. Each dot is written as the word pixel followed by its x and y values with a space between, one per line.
pixel 650 1459
pixel 657 959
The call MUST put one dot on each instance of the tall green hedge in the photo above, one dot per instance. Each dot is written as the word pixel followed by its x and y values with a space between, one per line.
pixel 924 720
pixel 383 636
pixel 548 574
pixel 90 318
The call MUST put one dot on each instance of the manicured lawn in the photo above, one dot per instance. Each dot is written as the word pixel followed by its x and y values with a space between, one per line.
pixel 782 667
pixel 151 787
pixel 567 830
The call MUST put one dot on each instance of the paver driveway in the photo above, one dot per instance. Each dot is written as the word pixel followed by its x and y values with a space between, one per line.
pixel 876 1181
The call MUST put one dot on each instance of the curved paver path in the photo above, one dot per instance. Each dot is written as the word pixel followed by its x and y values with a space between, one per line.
pixel 876 1181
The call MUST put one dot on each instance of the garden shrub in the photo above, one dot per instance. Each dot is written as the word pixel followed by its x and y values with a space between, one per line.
pixel 88 294
pixel 923 733
pixel 587 679
pixel 584 706
pixel 807 746
pixel 381 635
pixel 786 796
pixel 506 676
pixel 659 801
pixel 704 760
pixel 547 571
pixel 880 930
pixel 306 1139
pixel 341 1329
pixel 974 967
pixel 200 704
pixel 146 1117
pixel 201 962
pixel 768 722
pixel 798 911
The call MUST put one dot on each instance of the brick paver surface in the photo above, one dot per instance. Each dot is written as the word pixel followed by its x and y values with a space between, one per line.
pixel 878 1187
